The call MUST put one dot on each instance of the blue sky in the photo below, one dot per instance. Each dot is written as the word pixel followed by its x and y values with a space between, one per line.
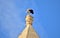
pixel 46 17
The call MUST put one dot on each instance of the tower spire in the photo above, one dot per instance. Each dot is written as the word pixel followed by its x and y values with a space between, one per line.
pixel 29 31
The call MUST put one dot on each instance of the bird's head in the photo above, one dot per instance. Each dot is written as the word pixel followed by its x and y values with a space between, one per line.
pixel 30 11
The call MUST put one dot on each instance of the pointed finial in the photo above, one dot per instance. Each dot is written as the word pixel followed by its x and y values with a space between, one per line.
pixel 29 18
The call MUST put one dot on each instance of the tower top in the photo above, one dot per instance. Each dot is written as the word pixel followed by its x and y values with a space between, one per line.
pixel 29 32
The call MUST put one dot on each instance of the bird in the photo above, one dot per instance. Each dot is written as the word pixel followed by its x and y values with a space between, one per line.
pixel 30 11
